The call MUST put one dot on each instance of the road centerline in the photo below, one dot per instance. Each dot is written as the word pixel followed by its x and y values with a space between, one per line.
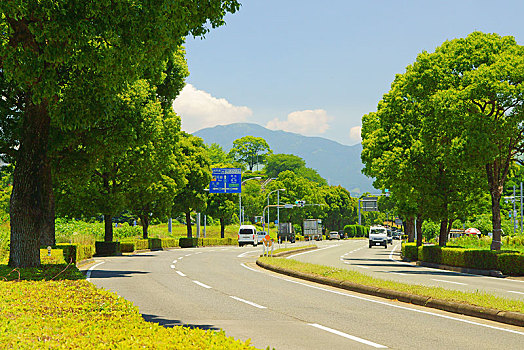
pixel 348 336
pixel 248 302
pixel 202 284
pixel 181 273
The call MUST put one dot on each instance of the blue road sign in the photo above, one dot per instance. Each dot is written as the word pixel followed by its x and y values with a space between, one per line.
pixel 226 180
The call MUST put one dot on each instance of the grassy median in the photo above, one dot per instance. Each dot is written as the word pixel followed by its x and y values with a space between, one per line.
pixel 477 298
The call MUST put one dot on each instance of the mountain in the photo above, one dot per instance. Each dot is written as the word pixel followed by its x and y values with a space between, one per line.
pixel 337 163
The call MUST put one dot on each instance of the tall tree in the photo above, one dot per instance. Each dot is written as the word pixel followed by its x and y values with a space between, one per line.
pixel 250 150
pixel 61 55
pixel 192 196
pixel 277 163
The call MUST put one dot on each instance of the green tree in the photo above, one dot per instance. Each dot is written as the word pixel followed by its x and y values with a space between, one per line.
pixel 250 150
pixel 340 208
pixel 277 163
pixel 192 196
pixel 222 206
pixel 61 55
pixel 216 154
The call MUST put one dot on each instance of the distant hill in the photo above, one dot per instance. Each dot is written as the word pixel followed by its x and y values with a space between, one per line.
pixel 337 163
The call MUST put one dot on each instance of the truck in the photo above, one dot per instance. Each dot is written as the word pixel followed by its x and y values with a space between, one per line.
pixel 378 235
pixel 312 229
pixel 286 232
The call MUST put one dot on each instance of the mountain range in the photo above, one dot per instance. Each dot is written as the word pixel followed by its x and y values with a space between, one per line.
pixel 337 163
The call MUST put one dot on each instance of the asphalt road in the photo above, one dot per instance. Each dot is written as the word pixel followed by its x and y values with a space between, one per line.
pixel 222 288
pixel 384 264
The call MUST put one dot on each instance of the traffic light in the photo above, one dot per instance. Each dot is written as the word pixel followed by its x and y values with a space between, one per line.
pixel 300 203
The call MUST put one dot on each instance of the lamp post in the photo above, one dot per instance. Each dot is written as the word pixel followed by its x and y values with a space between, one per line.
pixel 240 218
pixel 278 192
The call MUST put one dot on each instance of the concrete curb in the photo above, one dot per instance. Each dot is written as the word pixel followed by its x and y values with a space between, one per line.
pixel 508 317
pixel 492 273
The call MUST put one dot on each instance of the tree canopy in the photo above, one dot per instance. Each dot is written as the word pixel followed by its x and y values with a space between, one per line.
pixel 250 150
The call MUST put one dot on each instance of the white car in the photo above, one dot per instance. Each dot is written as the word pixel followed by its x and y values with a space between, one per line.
pixel 334 235
pixel 260 236
pixel 378 235
pixel 247 234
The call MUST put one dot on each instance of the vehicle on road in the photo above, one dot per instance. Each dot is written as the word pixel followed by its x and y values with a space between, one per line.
pixel 390 236
pixel 334 235
pixel 260 236
pixel 286 232
pixel 312 229
pixel 378 235
pixel 396 235
pixel 247 234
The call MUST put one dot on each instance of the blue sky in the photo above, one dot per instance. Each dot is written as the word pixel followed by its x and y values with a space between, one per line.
pixel 315 67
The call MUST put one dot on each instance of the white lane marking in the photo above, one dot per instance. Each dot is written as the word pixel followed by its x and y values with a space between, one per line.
pixel 392 251
pixel 398 273
pixel 187 255
pixel 463 284
pixel 248 302
pixel 198 252
pixel 311 251
pixel 388 304
pixel 88 274
pixel 173 266
pixel 511 291
pixel 175 261
pixel 180 273
pixel 181 258
pixel 345 335
pixel 244 254
pixel 364 267
pixel 224 249
pixel 202 284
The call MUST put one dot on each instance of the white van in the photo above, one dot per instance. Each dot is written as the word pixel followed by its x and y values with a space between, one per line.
pixel 247 234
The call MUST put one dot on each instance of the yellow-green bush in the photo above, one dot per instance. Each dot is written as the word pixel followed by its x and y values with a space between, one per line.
pixel 141 244
pixel 409 251
pixel 511 263
pixel 75 314
pixel 74 252
pixel 127 247
pixel 169 243
pixel 203 242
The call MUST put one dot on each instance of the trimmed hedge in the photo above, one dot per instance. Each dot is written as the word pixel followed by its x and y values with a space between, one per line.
pixel 155 243
pixel 74 252
pixel 107 248
pixel 216 241
pixel 127 247
pixel 169 242
pixel 508 262
pixel 185 242
pixel 409 251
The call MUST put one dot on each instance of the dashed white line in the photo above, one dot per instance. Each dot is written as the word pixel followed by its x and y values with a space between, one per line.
pixel 512 291
pixel 175 261
pixel 181 258
pixel 348 336
pixel 463 284
pixel 398 273
pixel 202 284
pixel 198 252
pixel 364 267
pixel 311 251
pixel 187 255
pixel 180 273
pixel 88 274
pixel 173 266
pixel 248 302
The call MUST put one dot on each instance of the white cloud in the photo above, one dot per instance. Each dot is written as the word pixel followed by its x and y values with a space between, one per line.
pixel 354 134
pixel 308 122
pixel 198 110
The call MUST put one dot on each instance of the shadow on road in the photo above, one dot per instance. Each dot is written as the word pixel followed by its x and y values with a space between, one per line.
pixel 113 274
pixel 172 323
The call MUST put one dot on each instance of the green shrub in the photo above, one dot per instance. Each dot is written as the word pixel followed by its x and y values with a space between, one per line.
pixel 453 257
pixel 141 244
pixel 76 252
pixel 107 248
pixel 511 263
pixel 185 242
pixel 410 251
pixel 480 259
pixel 154 243
pixel 127 247
pixel 430 253
pixel 169 243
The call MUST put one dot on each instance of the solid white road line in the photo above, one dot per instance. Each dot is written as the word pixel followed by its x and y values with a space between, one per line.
pixel 311 251
pixel 248 302
pixel 244 254
pixel 388 304
pixel 511 291
pixel 202 284
pixel 345 335
pixel 180 273
pixel 88 274
pixel 463 284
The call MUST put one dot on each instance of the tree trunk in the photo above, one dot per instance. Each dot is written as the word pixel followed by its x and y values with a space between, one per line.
pixel 188 225
pixel 145 225
pixel 419 232
pixel 443 233
pixel 30 199
pixel 410 229
pixel 108 228
pixel 496 186
pixel 47 235
pixel 223 228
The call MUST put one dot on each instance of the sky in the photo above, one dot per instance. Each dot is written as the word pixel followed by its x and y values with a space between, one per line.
pixel 316 67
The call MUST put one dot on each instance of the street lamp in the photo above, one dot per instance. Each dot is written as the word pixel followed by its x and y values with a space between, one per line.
pixel 278 204
pixel 240 218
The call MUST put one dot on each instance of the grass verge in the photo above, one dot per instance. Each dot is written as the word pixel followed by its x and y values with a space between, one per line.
pixel 477 298
pixel 60 309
